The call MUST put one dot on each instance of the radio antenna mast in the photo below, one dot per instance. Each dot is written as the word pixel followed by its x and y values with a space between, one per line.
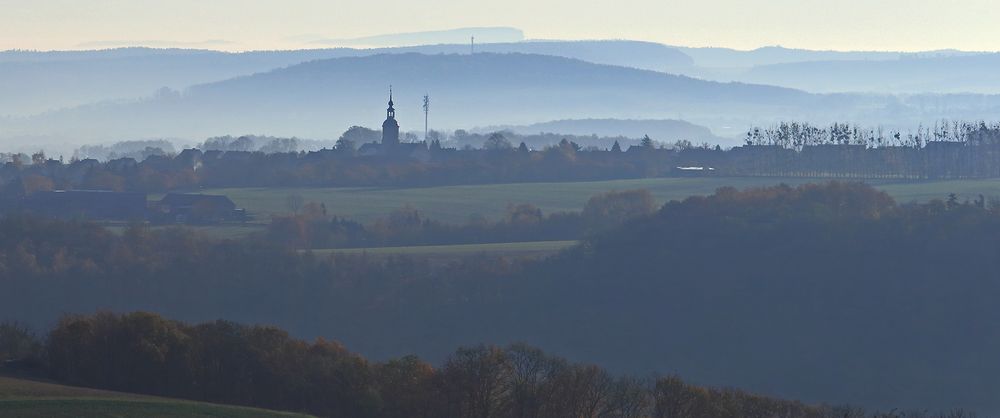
pixel 427 109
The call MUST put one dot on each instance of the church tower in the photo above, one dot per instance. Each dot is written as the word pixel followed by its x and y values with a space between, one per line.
pixel 390 128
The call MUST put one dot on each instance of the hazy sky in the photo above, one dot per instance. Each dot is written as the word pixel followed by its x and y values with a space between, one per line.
pixel 744 24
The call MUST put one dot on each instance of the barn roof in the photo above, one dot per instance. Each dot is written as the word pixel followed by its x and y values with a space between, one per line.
pixel 190 200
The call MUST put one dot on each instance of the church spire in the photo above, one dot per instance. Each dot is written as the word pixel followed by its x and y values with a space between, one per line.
pixel 390 112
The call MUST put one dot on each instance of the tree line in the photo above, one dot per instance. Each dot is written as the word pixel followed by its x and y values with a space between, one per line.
pixel 193 168
pixel 796 135
pixel 263 366
pixel 947 150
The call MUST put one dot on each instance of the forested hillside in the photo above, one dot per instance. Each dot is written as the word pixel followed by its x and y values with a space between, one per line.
pixel 825 293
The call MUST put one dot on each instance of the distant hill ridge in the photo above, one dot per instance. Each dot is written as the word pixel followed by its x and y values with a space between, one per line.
pixel 319 93
pixel 450 36
pixel 662 129
pixel 32 82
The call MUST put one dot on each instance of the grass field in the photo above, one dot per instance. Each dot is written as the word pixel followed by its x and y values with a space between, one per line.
pixel 28 399
pixel 225 231
pixel 511 248
pixel 458 203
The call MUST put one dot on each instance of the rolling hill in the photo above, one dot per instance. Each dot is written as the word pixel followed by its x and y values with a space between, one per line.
pixel 28 398
pixel 33 82
pixel 846 71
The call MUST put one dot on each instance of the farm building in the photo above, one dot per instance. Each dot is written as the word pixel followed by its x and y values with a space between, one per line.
pixel 197 208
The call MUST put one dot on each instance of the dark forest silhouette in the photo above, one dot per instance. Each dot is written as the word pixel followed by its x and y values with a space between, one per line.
pixel 262 366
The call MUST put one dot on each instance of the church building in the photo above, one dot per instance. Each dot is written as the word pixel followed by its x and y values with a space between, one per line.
pixel 390 145
pixel 390 128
